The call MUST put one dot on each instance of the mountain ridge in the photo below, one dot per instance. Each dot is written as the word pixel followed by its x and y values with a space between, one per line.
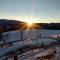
pixel 9 25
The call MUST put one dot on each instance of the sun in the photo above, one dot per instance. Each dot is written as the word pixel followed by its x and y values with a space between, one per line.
pixel 29 22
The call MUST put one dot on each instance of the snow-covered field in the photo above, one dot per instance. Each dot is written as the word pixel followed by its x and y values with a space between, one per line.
pixel 27 35
pixel 16 35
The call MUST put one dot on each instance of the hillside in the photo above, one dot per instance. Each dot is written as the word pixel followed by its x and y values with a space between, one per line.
pixel 9 25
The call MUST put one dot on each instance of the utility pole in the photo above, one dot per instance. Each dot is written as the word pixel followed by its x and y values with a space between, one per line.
pixel 21 36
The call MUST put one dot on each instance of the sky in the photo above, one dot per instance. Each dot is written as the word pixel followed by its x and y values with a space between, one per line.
pixel 40 11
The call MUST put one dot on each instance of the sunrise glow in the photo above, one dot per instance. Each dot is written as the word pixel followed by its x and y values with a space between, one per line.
pixel 29 22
